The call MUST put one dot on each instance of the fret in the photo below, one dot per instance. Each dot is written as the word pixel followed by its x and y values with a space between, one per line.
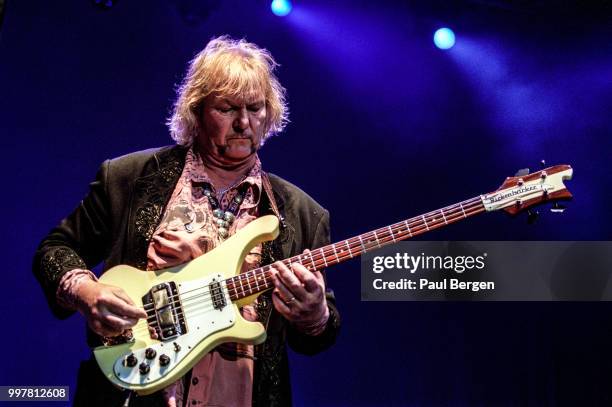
pixel 248 280
pixel 424 220
pixel 461 205
pixel 256 280
pixel 228 285
pixel 314 267
pixel 335 253
pixel 241 287
pixel 231 286
pixel 244 288
pixel 362 245
pixel 391 231
pixel 376 237
pixel 408 227
pixel 349 248
pixel 323 254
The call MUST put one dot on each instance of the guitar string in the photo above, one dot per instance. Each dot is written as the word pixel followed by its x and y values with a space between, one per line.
pixel 203 307
pixel 233 290
pixel 400 232
pixel 465 207
pixel 418 226
pixel 315 259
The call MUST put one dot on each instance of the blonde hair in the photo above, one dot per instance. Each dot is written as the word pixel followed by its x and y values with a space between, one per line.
pixel 232 68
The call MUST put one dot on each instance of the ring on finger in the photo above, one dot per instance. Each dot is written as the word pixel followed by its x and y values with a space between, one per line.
pixel 290 301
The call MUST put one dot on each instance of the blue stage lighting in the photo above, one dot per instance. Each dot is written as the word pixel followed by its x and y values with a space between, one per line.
pixel 444 38
pixel 281 7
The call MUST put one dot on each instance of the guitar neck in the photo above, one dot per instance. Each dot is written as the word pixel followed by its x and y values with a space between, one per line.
pixel 260 279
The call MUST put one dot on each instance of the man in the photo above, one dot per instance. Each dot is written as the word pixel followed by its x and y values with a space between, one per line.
pixel 158 208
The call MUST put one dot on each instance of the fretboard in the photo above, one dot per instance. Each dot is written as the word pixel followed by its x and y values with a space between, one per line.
pixel 259 279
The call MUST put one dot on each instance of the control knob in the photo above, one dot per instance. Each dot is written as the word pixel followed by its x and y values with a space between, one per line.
pixel 144 368
pixel 150 353
pixel 130 360
pixel 164 360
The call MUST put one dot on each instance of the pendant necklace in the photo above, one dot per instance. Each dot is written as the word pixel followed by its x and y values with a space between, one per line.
pixel 224 218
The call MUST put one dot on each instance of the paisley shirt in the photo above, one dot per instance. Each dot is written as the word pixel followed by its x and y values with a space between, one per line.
pixel 224 377
pixel 187 229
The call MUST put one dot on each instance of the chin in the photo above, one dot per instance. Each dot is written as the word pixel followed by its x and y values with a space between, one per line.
pixel 239 154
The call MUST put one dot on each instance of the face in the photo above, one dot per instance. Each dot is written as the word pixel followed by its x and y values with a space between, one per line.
pixel 232 127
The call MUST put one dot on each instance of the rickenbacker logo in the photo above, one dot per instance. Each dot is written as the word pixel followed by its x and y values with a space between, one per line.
pixel 513 192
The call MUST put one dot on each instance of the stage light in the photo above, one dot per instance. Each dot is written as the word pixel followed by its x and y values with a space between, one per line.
pixel 444 38
pixel 281 7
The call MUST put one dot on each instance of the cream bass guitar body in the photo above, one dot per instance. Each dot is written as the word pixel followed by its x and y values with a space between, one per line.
pixel 194 307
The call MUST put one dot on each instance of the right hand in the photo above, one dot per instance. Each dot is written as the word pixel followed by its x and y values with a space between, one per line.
pixel 108 309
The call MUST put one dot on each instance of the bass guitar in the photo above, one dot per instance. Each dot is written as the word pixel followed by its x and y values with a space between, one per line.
pixel 194 307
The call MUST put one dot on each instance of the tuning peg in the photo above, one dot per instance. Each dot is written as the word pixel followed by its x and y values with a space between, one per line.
pixel 556 208
pixel 522 172
pixel 542 164
pixel 532 216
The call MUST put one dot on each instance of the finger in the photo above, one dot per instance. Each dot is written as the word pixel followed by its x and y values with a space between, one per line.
pixel 276 270
pixel 319 279
pixel 152 333
pixel 292 282
pixel 118 306
pixel 123 295
pixel 282 291
pixel 112 320
pixel 118 322
pixel 279 266
pixel 280 306
pixel 306 277
pixel 307 260
pixel 102 329
pixel 171 235
pixel 169 240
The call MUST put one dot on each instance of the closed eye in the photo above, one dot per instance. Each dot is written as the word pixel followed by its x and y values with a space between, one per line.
pixel 256 107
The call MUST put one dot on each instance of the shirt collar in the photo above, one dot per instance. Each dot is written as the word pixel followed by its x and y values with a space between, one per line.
pixel 196 172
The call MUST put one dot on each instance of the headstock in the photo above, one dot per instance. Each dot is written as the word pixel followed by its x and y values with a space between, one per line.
pixel 523 191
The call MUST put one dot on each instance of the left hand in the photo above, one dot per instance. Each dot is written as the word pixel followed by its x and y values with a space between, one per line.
pixel 299 295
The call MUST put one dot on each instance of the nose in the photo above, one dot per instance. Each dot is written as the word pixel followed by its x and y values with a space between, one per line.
pixel 241 122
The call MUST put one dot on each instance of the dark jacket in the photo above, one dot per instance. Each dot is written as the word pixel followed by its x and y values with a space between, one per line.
pixel 115 222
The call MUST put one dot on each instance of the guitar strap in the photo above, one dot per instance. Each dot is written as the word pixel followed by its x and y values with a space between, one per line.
pixel 271 251
pixel 265 180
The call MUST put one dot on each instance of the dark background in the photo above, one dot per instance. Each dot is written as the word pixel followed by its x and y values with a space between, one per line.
pixel 383 126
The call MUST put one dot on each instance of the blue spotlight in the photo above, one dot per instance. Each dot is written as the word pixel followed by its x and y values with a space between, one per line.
pixel 444 38
pixel 281 7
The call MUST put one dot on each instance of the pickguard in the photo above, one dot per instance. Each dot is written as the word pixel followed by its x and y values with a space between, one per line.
pixel 202 320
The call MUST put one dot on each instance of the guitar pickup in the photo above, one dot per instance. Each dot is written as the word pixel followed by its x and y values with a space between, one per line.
pixel 216 293
pixel 165 311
